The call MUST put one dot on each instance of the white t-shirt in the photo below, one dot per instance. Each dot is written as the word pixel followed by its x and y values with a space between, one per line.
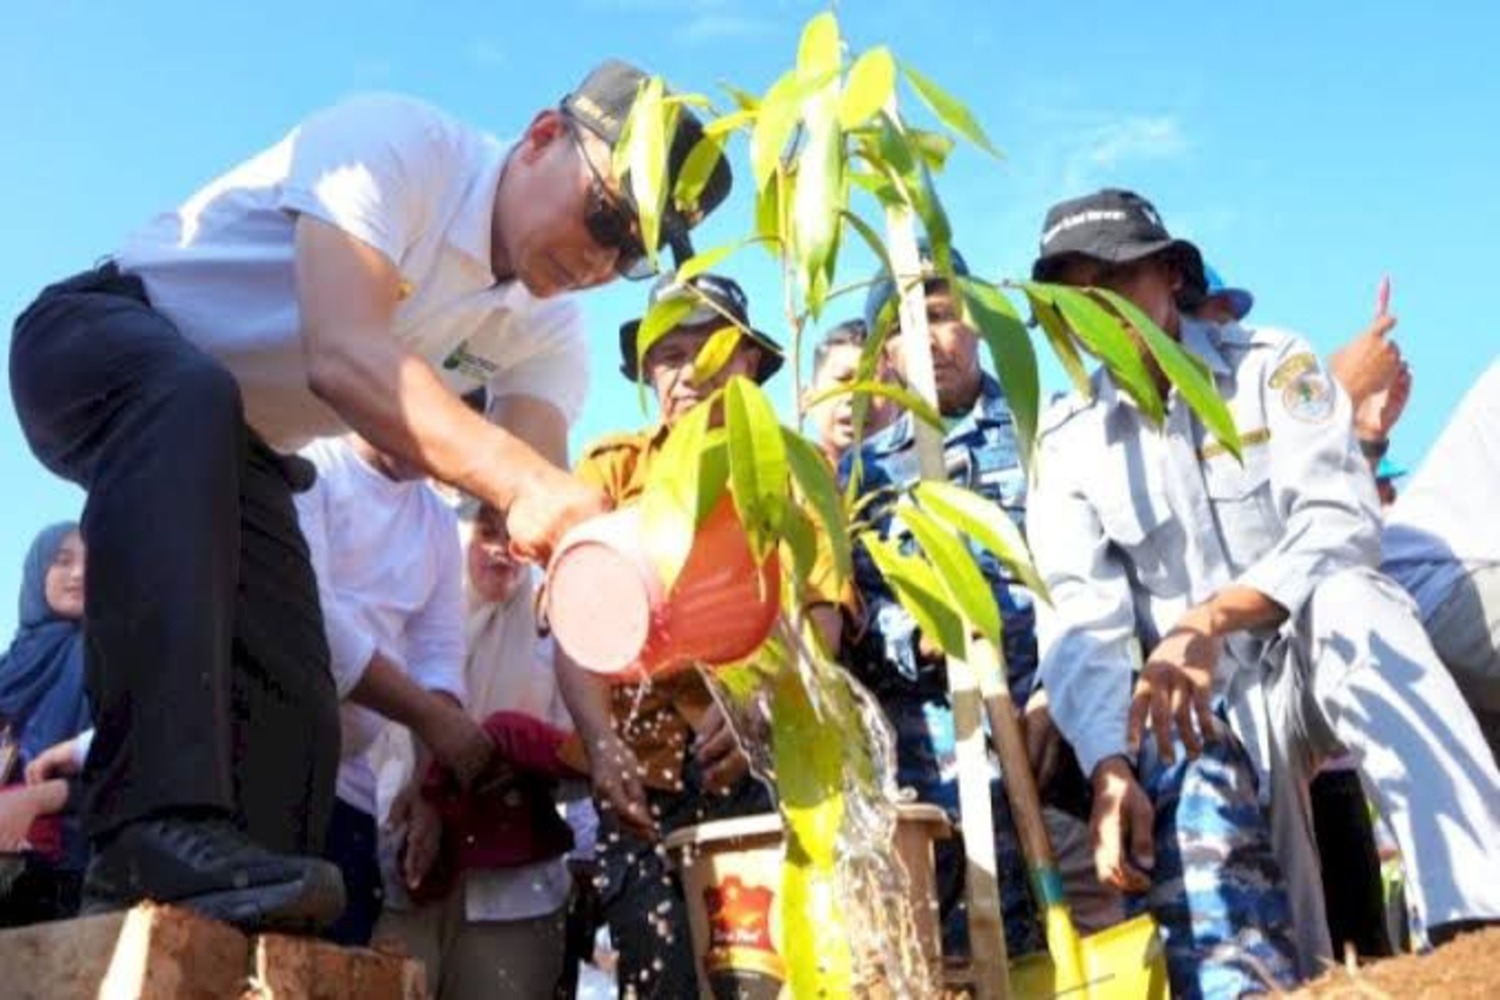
pixel 411 182
pixel 390 573
pixel 1445 519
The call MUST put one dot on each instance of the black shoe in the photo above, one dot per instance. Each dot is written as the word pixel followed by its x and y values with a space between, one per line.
pixel 209 866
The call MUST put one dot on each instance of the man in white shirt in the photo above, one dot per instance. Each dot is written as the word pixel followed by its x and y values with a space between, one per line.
pixel 1442 543
pixel 356 275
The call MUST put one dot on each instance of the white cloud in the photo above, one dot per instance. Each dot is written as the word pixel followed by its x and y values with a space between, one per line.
pixel 1100 150
pixel 710 26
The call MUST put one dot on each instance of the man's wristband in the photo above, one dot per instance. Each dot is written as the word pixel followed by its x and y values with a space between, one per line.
pixel 1374 449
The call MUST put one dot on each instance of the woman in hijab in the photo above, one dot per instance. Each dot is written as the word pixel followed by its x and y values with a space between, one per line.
pixel 499 931
pixel 43 703
pixel 42 694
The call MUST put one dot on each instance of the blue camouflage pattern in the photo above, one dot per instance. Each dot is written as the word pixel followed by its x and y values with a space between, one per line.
pixel 982 454
pixel 1217 891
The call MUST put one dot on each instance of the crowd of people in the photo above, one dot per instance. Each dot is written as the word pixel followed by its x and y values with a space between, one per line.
pixel 344 374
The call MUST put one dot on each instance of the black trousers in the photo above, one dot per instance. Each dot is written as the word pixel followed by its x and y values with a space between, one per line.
pixel 205 655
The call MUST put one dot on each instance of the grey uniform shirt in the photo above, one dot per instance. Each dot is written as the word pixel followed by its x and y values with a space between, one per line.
pixel 1131 525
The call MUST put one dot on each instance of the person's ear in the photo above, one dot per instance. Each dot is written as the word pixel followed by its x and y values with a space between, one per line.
pixel 546 130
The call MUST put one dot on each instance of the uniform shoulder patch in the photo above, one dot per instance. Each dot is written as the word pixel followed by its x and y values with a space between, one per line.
pixel 1308 395
pixel 1292 368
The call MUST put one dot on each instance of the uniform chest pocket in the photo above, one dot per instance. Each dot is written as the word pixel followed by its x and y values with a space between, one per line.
pixel 1141 527
pixel 1130 516
pixel 1226 479
pixel 1243 504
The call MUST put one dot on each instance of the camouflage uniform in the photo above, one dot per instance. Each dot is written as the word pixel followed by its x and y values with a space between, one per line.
pixel 1215 887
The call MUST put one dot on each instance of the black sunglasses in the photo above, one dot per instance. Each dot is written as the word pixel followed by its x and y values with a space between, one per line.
pixel 610 223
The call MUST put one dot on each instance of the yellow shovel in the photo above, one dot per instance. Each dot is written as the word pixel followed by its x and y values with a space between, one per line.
pixel 1123 962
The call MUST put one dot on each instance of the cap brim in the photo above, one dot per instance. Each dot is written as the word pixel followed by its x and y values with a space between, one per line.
pixel 628 331
pixel 1046 268
pixel 1240 301
pixel 771 358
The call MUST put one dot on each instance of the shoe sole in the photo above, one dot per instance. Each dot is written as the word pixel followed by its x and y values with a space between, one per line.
pixel 303 905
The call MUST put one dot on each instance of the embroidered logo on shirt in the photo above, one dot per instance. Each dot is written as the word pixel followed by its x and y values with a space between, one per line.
pixel 1309 397
pixel 478 368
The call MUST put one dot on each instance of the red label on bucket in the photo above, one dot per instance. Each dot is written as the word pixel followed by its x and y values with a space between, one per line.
pixel 742 962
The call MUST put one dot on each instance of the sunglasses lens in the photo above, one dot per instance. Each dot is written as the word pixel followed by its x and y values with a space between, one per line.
pixel 609 226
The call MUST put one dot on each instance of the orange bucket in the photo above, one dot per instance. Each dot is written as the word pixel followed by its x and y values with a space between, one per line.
pixel 609 611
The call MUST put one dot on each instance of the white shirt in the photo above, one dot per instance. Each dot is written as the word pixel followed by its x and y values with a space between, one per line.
pixel 414 184
pixel 389 571
pixel 1131 526
pixel 1446 517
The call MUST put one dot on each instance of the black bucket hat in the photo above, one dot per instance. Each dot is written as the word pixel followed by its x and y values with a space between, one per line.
pixel 602 104
pixel 727 295
pixel 1114 226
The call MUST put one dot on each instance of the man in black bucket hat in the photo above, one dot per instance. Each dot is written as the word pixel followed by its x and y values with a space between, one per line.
pixel 1117 228
pixel 1268 642
pixel 376 262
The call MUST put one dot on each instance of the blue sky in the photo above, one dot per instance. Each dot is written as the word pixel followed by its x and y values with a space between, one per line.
pixel 1309 148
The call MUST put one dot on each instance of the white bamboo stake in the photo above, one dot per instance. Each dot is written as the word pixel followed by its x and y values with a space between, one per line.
pixel 982 884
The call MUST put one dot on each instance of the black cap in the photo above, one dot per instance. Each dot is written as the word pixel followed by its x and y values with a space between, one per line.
pixel 727 295
pixel 1114 226
pixel 883 290
pixel 602 104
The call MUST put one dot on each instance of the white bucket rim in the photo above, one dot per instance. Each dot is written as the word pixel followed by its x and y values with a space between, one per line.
pixel 726 832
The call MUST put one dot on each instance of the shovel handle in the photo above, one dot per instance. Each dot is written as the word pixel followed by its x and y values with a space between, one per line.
pixel 1010 747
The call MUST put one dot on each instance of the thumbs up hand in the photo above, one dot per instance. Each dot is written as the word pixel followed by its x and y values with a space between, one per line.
pixel 1369 363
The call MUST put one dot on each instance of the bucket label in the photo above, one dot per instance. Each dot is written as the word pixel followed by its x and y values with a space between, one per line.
pixel 741 963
